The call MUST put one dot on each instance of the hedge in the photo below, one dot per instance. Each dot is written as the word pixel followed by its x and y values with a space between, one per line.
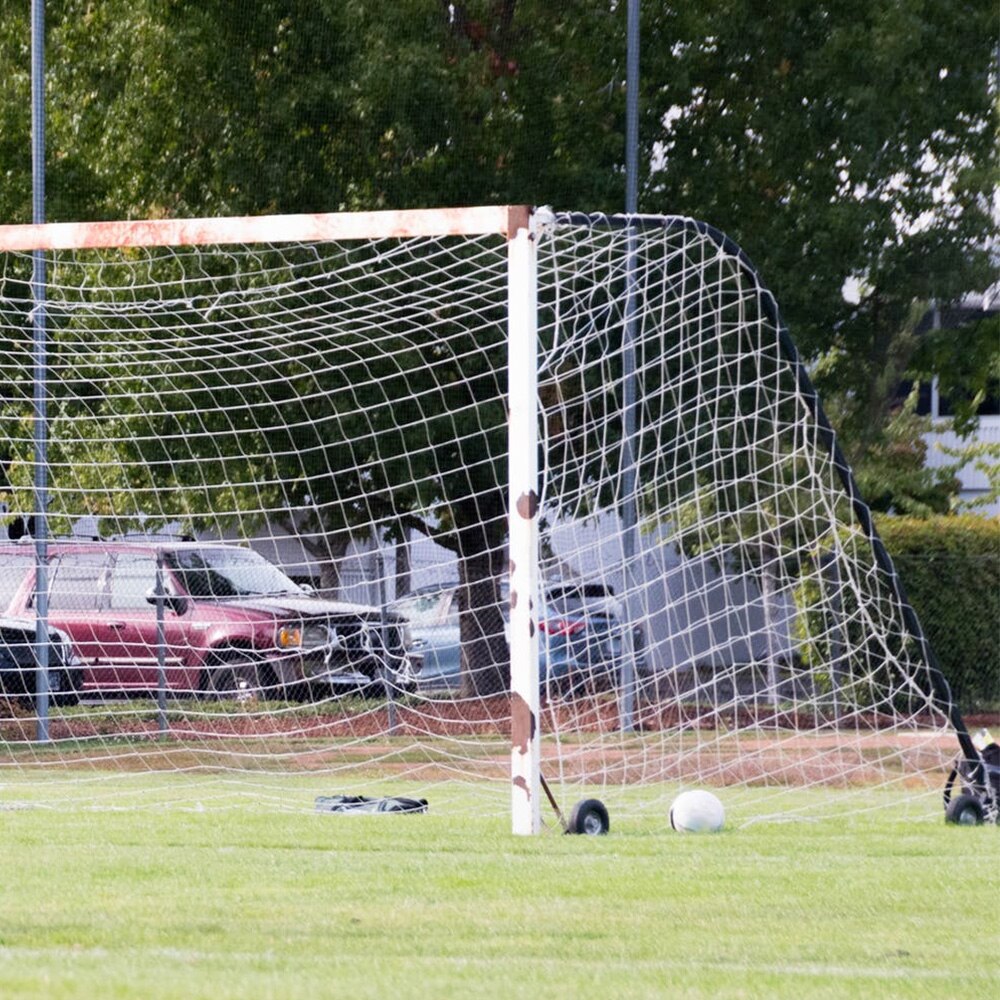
pixel 950 568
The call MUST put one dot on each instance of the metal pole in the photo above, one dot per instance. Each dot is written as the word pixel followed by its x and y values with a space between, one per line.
pixel 839 642
pixel 629 514
pixel 38 283
pixel 632 110
pixel 384 671
pixel 161 644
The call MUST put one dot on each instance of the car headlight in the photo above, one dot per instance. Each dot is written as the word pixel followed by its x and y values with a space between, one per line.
pixel 290 637
pixel 314 636
pixel 303 636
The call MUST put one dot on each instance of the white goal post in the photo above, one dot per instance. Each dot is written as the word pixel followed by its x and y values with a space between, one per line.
pixel 551 496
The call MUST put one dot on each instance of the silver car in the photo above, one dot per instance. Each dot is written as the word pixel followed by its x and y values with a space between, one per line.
pixel 581 629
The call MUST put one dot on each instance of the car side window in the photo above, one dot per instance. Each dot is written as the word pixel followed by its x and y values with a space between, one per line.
pixel 198 577
pixel 132 578
pixel 77 581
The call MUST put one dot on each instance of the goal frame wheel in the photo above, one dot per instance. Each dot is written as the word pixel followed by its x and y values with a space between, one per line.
pixel 589 817
pixel 965 810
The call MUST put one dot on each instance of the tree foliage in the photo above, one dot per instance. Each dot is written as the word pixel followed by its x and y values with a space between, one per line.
pixel 832 141
pixel 849 141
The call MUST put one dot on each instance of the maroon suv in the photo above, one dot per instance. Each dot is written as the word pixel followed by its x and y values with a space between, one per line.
pixel 232 621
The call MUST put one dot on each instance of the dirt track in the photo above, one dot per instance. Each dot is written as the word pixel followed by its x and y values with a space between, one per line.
pixel 747 745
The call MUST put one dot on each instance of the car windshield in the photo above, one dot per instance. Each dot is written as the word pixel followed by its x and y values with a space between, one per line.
pixel 221 573
pixel 422 609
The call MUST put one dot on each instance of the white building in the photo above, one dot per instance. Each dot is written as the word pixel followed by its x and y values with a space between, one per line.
pixel 975 482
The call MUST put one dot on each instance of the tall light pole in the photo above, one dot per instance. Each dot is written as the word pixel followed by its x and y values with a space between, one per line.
pixel 629 511
pixel 632 110
pixel 40 346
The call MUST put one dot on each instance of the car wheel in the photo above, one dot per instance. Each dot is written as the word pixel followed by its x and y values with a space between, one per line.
pixel 965 810
pixel 589 816
pixel 235 676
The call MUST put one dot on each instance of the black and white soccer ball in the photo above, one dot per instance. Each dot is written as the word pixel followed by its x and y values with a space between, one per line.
pixel 697 811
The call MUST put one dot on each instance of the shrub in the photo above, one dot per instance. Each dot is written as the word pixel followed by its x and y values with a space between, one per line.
pixel 950 568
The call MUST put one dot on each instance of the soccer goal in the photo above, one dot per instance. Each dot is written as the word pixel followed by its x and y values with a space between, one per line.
pixel 486 505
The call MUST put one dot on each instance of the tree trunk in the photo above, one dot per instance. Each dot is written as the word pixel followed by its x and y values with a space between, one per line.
pixel 330 555
pixel 482 624
pixel 403 569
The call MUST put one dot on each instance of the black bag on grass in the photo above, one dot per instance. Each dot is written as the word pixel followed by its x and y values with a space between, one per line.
pixel 364 804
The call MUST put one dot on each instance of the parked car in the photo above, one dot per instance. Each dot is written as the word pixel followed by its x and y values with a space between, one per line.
pixel 582 637
pixel 233 623
pixel 584 629
pixel 432 617
pixel 19 664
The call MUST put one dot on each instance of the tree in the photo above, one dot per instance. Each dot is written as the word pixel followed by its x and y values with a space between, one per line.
pixel 830 140
pixel 208 108
pixel 882 435
pixel 835 142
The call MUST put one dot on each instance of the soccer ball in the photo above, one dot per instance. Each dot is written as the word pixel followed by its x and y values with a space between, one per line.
pixel 697 811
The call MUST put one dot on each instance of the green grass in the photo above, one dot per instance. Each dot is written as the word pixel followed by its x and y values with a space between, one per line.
pixel 258 902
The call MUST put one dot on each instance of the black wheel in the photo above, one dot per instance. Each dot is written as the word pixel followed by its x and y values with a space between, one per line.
pixel 236 676
pixel 589 816
pixel 965 810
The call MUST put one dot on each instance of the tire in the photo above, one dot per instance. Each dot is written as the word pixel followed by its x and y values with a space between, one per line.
pixel 590 817
pixel 235 675
pixel 64 690
pixel 965 810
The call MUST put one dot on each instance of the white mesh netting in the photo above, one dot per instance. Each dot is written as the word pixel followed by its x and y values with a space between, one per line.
pixel 277 517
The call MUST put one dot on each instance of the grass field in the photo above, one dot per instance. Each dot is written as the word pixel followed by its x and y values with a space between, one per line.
pixel 263 902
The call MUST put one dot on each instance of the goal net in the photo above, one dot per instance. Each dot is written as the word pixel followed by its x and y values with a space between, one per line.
pixel 436 503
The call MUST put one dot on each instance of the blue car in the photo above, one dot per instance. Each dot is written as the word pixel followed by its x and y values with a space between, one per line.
pixel 581 631
pixel 435 647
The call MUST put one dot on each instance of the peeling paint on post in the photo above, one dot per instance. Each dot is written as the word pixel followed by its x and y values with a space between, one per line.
pixel 527 504
pixel 522 724
pixel 523 502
